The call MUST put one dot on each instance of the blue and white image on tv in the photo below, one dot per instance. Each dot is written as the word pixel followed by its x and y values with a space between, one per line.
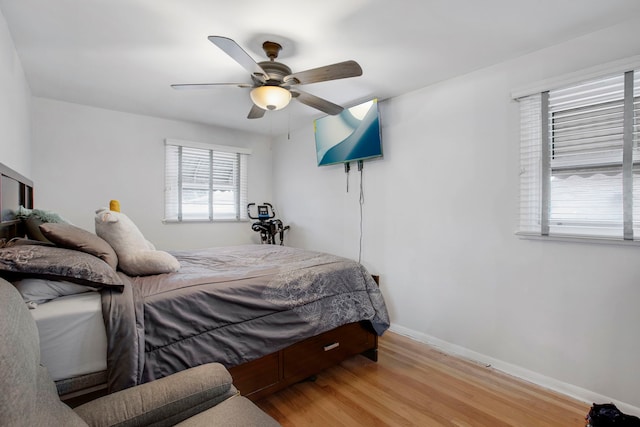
pixel 354 134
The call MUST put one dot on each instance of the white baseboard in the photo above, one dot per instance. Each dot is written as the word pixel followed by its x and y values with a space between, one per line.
pixel 570 390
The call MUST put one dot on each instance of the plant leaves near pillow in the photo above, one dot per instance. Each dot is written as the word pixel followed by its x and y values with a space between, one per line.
pixel 23 213
pixel 72 237
pixel 34 217
pixel 57 263
pixel 42 215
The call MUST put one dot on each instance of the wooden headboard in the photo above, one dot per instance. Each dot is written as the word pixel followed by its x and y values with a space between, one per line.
pixel 15 191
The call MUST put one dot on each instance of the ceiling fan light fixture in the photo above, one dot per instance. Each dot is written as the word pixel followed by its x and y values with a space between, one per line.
pixel 270 97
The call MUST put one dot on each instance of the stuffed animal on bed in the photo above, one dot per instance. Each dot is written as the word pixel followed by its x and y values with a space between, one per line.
pixel 136 256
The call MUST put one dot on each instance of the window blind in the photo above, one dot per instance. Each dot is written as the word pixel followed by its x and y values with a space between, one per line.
pixel 634 128
pixel 204 184
pixel 586 128
pixel 530 164
pixel 579 162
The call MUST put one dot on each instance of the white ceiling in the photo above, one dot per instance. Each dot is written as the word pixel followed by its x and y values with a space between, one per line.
pixel 124 54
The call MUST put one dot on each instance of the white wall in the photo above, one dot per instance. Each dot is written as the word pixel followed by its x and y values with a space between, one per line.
pixel 439 219
pixel 15 100
pixel 84 156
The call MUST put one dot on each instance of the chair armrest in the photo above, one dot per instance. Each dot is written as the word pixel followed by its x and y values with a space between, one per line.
pixel 235 411
pixel 166 401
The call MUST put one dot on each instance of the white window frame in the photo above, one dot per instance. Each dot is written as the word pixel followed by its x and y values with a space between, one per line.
pixel 537 164
pixel 177 190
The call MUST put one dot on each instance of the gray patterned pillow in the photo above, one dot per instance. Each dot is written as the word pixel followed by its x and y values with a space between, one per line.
pixel 57 263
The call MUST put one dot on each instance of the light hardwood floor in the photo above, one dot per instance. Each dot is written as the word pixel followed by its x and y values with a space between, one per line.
pixel 413 384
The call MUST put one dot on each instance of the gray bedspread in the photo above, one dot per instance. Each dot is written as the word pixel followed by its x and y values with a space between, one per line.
pixel 232 305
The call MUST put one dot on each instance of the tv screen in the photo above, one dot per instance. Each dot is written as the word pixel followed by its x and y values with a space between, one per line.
pixel 354 134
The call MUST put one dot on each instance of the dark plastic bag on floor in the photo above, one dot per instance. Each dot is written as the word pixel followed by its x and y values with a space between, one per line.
pixel 607 415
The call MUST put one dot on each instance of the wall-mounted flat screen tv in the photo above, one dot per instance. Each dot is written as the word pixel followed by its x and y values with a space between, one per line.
pixel 354 134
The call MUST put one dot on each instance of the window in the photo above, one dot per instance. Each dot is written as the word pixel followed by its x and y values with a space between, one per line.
pixel 580 159
pixel 205 182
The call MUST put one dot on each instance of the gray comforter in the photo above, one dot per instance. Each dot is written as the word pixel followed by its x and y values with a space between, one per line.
pixel 232 305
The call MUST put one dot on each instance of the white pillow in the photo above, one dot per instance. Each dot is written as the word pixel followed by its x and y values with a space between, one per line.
pixel 40 291
pixel 136 256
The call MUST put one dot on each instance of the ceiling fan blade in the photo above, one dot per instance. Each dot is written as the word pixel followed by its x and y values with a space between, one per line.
pixel 238 54
pixel 188 86
pixel 337 71
pixel 256 112
pixel 316 102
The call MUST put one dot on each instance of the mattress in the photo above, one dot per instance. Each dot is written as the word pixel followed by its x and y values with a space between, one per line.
pixel 73 340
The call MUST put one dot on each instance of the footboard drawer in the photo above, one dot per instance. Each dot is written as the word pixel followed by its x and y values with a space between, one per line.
pixel 275 371
pixel 314 354
pixel 257 375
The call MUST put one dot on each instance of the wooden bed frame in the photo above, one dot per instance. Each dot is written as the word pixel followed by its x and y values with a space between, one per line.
pixel 15 190
pixel 255 379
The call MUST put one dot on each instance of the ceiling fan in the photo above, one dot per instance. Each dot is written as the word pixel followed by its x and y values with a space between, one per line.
pixel 273 84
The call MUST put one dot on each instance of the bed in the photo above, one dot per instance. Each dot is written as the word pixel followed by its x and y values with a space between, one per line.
pixel 273 315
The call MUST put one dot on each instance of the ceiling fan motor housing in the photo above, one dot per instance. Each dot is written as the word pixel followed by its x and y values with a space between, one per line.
pixel 276 72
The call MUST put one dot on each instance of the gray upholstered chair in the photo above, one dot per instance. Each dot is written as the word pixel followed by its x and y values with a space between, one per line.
pixel 201 396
